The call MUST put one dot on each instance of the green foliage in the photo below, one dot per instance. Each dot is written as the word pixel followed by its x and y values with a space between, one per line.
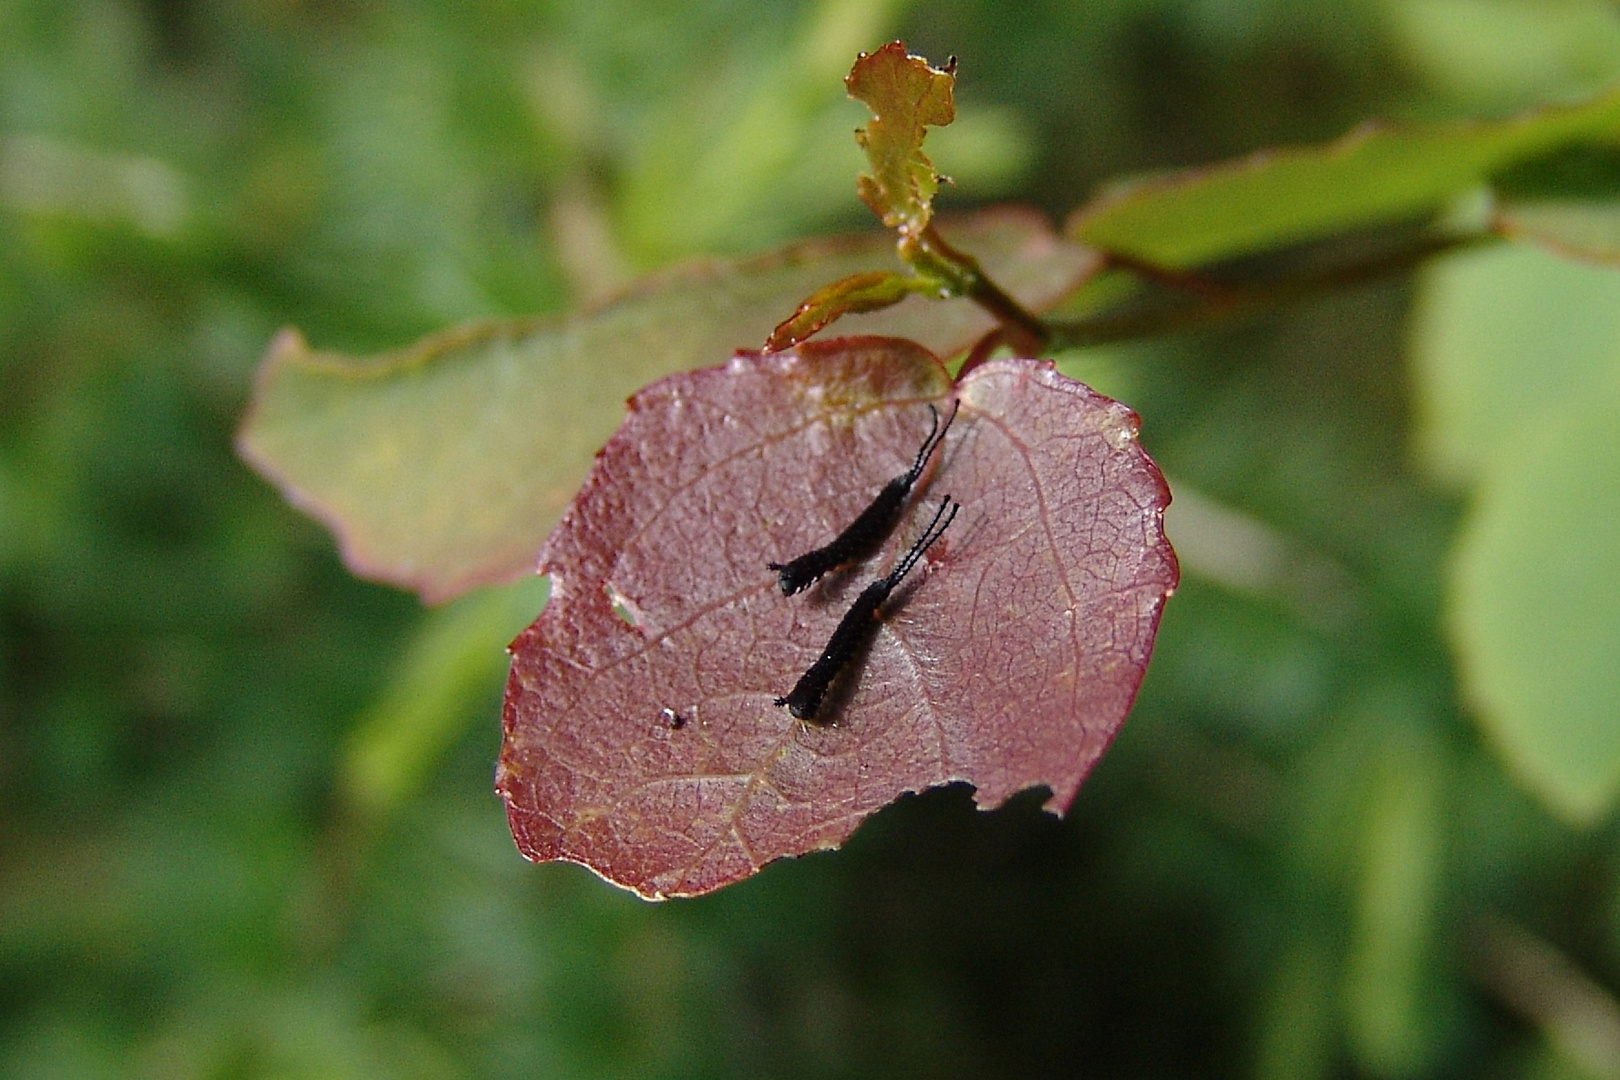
pixel 244 831
pixel 1537 592
pixel 1503 340
pixel 1375 175
pixel 1517 355
pixel 456 654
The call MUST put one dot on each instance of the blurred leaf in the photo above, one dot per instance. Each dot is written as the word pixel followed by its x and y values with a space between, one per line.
pixel 1298 1024
pixel 757 147
pixel 10 521
pixel 1388 1011
pixel 454 663
pixel 1578 1017
pixel 1536 604
pixel 988 149
pixel 1378 173
pixel 442 466
pixel 1506 52
pixel 43 176
pixel 1497 337
pixel 648 742
pixel 1509 346
pixel 906 97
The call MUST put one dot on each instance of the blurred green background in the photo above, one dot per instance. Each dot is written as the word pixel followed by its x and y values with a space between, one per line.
pixel 246 825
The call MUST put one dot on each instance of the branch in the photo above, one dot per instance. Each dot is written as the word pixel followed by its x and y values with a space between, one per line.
pixel 929 252
pixel 1215 302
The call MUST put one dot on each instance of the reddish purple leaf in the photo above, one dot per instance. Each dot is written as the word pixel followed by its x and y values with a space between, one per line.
pixel 644 743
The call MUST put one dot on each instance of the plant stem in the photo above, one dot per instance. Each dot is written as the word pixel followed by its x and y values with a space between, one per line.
pixel 1025 330
pixel 1217 301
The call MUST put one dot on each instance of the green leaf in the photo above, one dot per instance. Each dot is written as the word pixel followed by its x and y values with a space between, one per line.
pixel 1536 604
pixel 1376 174
pixel 906 97
pixel 1512 347
pixel 1389 1017
pixel 755 150
pixel 452 663
pixel 443 465
pixel 1498 336
pixel 1506 51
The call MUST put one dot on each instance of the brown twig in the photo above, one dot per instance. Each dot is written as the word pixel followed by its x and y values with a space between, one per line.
pixel 1188 281
pixel 1229 301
